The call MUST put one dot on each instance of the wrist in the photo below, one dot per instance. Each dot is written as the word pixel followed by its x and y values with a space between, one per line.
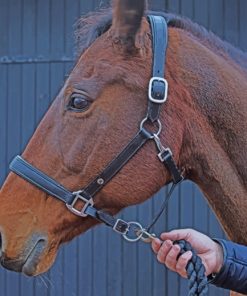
pixel 219 257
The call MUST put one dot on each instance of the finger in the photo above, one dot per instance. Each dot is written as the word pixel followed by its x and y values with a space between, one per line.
pixel 171 258
pixel 182 263
pixel 164 250
pixel 177 234
pixel 156 244
pixel 199 241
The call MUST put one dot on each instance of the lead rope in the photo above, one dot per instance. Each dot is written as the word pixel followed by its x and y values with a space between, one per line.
pixel 198 283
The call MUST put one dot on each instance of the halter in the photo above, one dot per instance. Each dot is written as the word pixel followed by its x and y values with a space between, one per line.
pixel 157 96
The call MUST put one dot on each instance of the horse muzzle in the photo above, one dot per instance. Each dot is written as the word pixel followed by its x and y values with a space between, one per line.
pixel 27 262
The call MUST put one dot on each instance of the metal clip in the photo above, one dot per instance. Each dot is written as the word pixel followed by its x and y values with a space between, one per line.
pixel 164 152
pixel 146 237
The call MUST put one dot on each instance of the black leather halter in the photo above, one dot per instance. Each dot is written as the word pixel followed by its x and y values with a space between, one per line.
pixel 157 95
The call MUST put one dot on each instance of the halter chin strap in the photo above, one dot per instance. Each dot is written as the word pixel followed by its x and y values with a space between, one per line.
pixel 157 95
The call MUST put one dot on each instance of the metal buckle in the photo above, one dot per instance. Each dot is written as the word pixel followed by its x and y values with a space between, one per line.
pixel 118 225
pixel 160 155
pixel 78 196
pixel 150 90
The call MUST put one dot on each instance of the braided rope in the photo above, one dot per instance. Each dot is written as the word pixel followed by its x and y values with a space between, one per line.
pixel 195 271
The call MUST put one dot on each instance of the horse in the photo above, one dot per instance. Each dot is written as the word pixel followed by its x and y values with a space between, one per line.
pixel 98 111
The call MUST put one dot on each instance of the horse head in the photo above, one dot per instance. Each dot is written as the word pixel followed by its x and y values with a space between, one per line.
pixel 95 114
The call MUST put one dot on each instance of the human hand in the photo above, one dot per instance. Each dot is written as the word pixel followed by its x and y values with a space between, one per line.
pixel 210 252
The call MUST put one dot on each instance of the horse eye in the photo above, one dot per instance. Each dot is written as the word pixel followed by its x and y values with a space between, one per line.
pixel 78 103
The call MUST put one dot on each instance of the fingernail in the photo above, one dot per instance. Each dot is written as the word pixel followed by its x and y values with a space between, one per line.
pixel 189 254
pixel 157 241
pixel 168 243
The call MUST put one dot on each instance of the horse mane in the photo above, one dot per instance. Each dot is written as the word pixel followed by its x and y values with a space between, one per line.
pixel 91 26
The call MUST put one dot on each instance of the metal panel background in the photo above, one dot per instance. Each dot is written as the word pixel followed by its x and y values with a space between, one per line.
pixel 36 51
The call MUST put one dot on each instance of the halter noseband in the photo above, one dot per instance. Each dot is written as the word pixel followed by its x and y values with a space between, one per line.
pixel 157 95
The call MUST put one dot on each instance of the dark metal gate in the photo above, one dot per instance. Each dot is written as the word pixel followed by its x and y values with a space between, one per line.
pixel 36 51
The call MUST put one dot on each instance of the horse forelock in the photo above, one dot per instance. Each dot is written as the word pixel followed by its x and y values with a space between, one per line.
pixel 93 25
pixel 88 28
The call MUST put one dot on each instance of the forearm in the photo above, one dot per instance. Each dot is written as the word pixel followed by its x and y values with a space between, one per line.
pixel 233 274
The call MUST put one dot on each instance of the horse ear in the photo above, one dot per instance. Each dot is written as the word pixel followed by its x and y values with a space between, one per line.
pixel 127 16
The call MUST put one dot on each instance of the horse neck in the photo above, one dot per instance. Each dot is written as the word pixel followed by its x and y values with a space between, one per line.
pixel 215 137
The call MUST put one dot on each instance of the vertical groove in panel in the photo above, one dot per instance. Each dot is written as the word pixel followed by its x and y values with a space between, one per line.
pixel 201 12
pixel 130 254
pixel 99 253
pixel 216 15
pixel 239 22
pixel 13 111
pixel 144 265
pixel 85 260
pixel 3 25
pixel 85 7
pixel 173 6
pixel 3 140
pixel 7 12
pixel 185 216
pixel 114 271
pixel 71 11
pixel 187 8
pixel 231 22
pixel 3 120
pixel 173 216
pixel 21 106
pixel 243 24
pixel 159 272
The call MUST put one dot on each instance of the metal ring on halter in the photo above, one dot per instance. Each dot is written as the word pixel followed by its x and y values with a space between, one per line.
pixel 138 231
pixel 152 133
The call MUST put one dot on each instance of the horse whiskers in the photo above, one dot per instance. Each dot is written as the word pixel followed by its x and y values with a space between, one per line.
pixel 44 279
pixel 49 281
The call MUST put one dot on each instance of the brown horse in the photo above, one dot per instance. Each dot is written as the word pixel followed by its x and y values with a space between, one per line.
pixel 98 111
